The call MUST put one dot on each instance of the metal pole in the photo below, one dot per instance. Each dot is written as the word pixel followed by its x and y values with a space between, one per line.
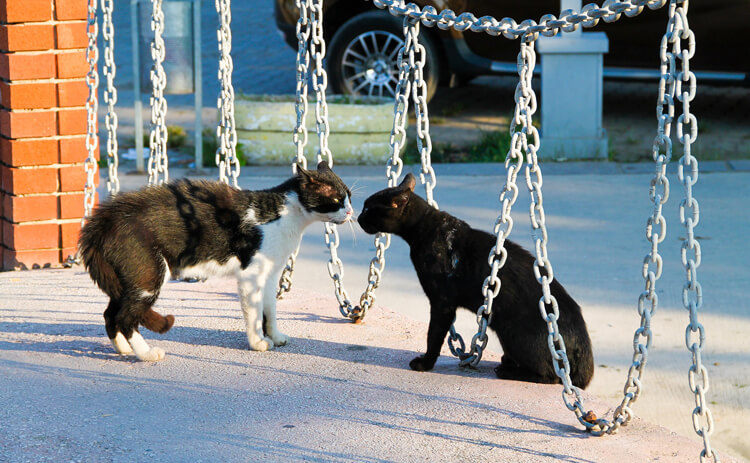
pixel 137 87
pixel 198 85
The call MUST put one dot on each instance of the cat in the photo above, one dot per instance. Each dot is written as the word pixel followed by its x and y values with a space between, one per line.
pixel 194 229
pixel 450 259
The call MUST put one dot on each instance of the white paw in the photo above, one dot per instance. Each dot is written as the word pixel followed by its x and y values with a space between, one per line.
pixel 279 339
pixel 153 355
pixel 121 345
pixel 262 345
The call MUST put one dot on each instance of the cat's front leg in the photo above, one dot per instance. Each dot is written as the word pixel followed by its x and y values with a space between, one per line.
pixel 251 301
pixel 269 313
pixel 441 319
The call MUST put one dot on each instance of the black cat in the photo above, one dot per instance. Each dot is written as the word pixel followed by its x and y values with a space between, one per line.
pixel 450 258
pixel 187 228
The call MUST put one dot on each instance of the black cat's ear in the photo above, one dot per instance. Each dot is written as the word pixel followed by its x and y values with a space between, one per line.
pixel 400 199
pixel 323 166
pixel 302 172
pixel 408 183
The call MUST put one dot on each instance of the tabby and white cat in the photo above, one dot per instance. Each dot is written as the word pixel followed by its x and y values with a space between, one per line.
pixel 132 243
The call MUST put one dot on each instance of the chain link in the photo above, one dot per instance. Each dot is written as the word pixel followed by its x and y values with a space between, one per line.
pixel 549 25
pixel 110 96
pixel 92 110
pixel 158 163
pixel 687 173
pixel 226 154
pixel 521 129
pixel 299 136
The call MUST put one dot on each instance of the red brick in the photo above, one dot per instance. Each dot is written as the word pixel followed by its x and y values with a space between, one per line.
pixel 26 37
pixel 16 11
pixel 69 234
pixel 26 66
pixel 70 9
pixel 29 181
pixel 27 124
pixel 25 260
pixel 72 64
pixel 26 236
pixel 73 150
pixel 30 208
pixel 71 35
pixel 72 122
pixel 24 152
pixel 73 178
pixel 71 206
pixel 27 95
pixel 72 93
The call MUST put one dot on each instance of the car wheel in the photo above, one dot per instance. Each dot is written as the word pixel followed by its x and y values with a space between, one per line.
pixel 363 56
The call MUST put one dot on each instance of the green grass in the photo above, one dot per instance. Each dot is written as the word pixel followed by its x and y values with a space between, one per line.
pixel 492 146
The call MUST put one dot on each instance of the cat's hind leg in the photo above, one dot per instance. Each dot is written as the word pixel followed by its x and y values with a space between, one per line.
pixel 269 314
pixel 509 369
pixel 128 319
pixel 118 340
pixel 251 301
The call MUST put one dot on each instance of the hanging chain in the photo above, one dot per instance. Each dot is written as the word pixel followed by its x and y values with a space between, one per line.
pixel 300 129
pixel 226 154
pixel 92 109
pixel 393 168
pixel 549 24
pixel 110 96
pixel 521 129
pixel 687 172
pixel 157 160
pixel 320 83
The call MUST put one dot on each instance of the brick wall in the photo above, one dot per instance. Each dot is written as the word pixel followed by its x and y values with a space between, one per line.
pixel 42 130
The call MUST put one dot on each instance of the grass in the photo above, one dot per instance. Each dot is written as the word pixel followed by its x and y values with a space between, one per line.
pixel 492 146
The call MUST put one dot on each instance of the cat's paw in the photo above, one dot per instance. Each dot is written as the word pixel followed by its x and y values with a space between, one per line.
pixel 279 339
pixel 121 345
pixel 420 364
pixel 262 345
pixel 153 355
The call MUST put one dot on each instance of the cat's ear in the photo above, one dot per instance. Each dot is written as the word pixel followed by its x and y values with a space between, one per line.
pixel 303 173
pixel 323 166
pixel 408 183
pixel 400 199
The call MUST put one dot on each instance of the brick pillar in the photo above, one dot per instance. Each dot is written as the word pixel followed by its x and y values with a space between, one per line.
pixel 43 95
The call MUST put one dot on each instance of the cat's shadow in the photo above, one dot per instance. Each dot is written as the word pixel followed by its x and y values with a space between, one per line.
pixel 54 338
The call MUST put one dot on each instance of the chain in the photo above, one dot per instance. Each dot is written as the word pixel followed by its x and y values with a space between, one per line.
pixel 300 129
pixel 110 96
pixel 92 109
pixel 157 161
pixel 226 153
pixel 320 83
pixel 521 129
pixel 549 25
pixel 687 172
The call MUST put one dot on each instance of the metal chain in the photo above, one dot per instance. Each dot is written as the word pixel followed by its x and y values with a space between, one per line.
pixel 226 154
pixel 300 129
pixel 549 25
pixel 92 110
pixel 687 172
pixel 393 169
pixel 158 170
pixel 110 96
pixel 521 129
pixel 320 83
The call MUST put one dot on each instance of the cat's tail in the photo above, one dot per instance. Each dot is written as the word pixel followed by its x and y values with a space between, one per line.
pixel 90 246
pixel 582 363
pixel 156 322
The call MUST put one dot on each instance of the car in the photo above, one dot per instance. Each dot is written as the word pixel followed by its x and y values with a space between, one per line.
pixel 363 43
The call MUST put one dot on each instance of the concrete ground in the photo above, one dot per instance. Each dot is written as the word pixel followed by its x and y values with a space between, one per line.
pixel 71 397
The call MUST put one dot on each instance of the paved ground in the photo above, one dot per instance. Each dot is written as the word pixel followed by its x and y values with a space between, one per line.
pixel 109 409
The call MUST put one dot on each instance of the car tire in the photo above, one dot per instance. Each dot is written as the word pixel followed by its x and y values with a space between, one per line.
pixel 352 70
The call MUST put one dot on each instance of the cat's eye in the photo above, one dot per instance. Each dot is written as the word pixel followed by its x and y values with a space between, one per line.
pixel 336 200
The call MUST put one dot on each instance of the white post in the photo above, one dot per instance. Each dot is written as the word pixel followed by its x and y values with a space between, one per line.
pixel 572 93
